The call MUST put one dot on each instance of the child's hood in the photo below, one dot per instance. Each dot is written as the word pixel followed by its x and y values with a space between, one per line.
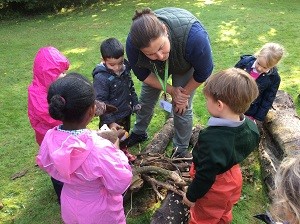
pixel 66 152
pixel 48 64
pixel 102 68
pixel 99 68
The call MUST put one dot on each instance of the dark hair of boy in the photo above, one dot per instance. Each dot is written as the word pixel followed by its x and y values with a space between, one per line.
pixel 111 48
pixel 70 97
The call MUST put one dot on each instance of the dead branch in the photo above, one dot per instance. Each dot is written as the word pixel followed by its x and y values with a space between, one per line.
pixel 161 140
pixel 157 170
pixel 153 184
pixel 165 185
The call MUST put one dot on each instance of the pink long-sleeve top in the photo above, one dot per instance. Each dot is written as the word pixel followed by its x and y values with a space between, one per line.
pixel 94 172
pixel 48 64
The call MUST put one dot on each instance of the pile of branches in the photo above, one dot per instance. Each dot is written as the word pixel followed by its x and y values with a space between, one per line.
pixel 162 172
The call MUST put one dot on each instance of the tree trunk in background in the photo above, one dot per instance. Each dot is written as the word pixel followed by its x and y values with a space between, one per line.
pixel 280 136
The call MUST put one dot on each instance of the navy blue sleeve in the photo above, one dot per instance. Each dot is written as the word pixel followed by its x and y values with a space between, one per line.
pixel 101 86
pixel 132 55
pixel 199 53
pixel 245 62
pixel 268 97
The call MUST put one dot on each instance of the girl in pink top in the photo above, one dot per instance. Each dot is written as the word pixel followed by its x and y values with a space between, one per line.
pixel 48 65
pixel 95 171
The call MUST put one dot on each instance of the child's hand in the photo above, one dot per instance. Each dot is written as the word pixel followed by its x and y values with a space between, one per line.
pixel 103 108
pixel 100 108
pixel 136 108
pixel 187 201
pixel 114 133
pixel 115 126
pixel 117 143
pixel 110 135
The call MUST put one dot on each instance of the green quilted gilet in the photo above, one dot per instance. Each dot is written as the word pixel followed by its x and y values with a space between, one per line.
pixel 179 23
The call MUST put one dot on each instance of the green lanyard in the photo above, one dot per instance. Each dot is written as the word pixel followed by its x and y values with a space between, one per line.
pixel 163 83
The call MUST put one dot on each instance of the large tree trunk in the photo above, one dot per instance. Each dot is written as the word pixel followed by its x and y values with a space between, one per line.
pixel 284 124
pixel 280 136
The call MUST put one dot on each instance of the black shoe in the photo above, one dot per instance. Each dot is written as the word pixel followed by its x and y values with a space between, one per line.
pixel 133 139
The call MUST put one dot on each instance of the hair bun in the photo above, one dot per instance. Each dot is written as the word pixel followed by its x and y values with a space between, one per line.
pixel 56 106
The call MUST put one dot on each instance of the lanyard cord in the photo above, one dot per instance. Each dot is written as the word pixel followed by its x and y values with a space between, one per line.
pixel 163 83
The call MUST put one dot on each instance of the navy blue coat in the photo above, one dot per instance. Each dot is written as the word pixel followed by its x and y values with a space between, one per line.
pixel 268 84
pixel 115 90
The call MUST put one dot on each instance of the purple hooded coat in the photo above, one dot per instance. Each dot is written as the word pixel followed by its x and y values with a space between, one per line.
pixel 48 64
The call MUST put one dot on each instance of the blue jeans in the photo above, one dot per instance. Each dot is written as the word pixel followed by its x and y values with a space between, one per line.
pixel 182 123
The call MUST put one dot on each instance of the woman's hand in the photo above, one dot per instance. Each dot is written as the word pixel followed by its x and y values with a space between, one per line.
pixel 180 100
pixel 181 108
pixel 179 95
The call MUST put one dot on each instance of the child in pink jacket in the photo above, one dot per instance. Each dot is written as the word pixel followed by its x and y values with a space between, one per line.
pixel 95 172
pixel 49 64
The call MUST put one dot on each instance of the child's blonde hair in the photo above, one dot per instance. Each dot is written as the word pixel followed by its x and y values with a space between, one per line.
pixel 234 87
pixel 272 52
pixel 286 195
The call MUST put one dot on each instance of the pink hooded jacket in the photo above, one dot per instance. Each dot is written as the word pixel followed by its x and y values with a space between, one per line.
pixel 94 172
pixel 48 64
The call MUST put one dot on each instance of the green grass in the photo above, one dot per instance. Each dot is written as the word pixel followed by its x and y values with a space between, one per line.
pixel 236 27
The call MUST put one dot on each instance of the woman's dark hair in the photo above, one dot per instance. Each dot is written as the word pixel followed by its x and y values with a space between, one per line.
pixel 111 48
pixel 145 27
pixel 70 97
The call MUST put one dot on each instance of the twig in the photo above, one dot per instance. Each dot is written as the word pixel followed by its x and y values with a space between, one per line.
pixel 153 169
pixel 130 205
pixel 154 187
pixel 153 181
pixel 176 148
pixel 19 174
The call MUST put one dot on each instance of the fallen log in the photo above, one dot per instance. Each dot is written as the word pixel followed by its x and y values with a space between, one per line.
pixel 172 211
pixel 161 139
pixel 280 136
pixel 195 134
pixel 284 124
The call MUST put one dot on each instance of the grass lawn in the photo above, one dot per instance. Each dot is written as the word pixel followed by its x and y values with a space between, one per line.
pixel 235 27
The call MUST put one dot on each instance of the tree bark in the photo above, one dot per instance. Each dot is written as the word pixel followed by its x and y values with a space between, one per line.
pixel 172 211
pixel 284 124
pixel 161 139
pixel 195 134
pixel 280 136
